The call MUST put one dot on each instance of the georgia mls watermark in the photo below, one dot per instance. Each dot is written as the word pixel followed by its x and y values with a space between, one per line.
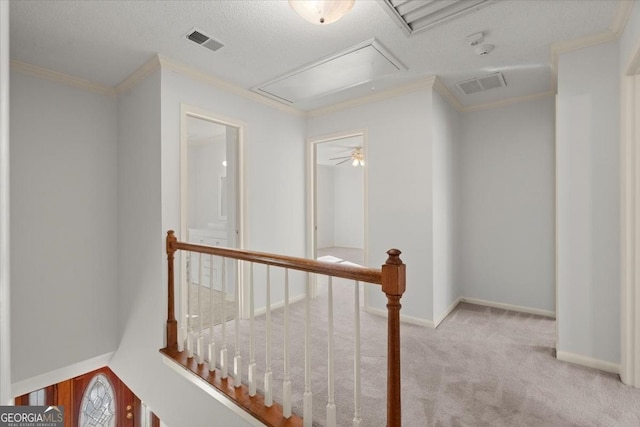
pixel 31 416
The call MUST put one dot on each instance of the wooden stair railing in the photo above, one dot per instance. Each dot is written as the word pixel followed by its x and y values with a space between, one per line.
pixel 391 277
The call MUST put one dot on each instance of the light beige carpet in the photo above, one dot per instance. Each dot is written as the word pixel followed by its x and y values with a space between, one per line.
pixel 205 295
pixel 481 367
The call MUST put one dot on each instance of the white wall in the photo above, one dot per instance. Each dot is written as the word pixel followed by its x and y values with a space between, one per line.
pixel 149 171
pixel 5 254
pixel 349 206
pixel 588 204
pixel 325 206
pixel 505 205
pixel 205 170
pixel 399 181
pixel 142 296
pixel 446 125
pixel 63 225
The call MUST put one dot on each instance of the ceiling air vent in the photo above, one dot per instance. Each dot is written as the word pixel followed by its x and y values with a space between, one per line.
pixel 203 40
pixel 418 15
pixel 480 84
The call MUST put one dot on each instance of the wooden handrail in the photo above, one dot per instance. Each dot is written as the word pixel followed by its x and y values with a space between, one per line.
pixel 362 274
pixel 392 278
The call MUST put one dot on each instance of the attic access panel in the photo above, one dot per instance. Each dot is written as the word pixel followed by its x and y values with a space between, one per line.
pixel 359 64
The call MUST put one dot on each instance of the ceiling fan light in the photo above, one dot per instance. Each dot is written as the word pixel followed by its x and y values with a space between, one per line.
pixel 321 12
pixel 355 163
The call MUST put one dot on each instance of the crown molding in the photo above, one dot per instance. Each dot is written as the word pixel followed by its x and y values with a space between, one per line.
pixel 440 87
pixel 217 82
pixel 633 66
pixel 623 12
pixel 144 71
pixel 615 30
pixel 55 76
pixel 425 83
pixel 570 45
pixel 509 101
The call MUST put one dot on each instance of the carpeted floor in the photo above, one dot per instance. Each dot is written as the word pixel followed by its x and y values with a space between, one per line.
pixel 206 304
pixel 481 367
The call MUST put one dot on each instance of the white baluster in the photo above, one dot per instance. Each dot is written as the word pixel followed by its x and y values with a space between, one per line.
pixel 189 341
pixel 252 350
pixel 237 359
pixel 307 409
pixel 200 342
pixel 331 405
pixel 212 342
pixel 182 336
pixel 357 419
pixel 286 384
pixel 268 375
pixel 224 363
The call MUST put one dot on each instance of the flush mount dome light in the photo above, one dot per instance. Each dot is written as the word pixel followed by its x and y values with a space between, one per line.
pixel 321 12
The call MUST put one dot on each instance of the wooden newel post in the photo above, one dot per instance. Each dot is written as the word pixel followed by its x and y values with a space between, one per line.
pixel 172 324
pixel 393 285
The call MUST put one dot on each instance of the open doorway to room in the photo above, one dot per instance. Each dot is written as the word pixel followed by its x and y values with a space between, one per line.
pixel 210 212
pixel 338 220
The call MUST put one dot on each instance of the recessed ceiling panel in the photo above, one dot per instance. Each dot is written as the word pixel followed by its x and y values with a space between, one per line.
pixel 359 64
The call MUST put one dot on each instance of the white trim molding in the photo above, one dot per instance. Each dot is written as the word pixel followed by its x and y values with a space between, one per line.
pixel 138 75
pixel 219 83
pixel 5 300
pixel 577 359
pixel 630 230
pixel 615 30
pixel 439 319
pixel 509 101
pixel 55 76
pixel 403 89
pixel 403 318
pixel 61 374
pixel 510 307
pixel 442 89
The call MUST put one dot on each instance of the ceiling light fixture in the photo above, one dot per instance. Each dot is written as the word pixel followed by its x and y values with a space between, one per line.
pixel 358 157
pixel 321 12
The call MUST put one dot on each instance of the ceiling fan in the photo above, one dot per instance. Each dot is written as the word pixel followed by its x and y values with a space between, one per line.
pixel 356 158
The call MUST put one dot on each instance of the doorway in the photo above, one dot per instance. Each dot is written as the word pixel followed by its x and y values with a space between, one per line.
pixel 98 398
pixel 211 207
pixel 337 199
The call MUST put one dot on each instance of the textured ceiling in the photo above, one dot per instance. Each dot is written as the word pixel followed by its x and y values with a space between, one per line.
pixel 105 41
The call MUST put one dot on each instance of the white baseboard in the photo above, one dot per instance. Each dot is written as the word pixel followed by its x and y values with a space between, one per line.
pixel 449 309
pixel 278 305
pixel 403 318
pixel 61 374
pixel 588 362
pixel 510 307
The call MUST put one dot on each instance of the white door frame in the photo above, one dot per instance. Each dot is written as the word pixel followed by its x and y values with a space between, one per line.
pixel 312 228
pixel 5 304
pixel 187 111
pixel 630 222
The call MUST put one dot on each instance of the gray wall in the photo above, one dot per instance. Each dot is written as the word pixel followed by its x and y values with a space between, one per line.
pixel 446 135
pixel 505 205
pixel 63 226
pixel 325 205
pixel 399 182
pixel 150 127
pixel 349 206
pixel 588 203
